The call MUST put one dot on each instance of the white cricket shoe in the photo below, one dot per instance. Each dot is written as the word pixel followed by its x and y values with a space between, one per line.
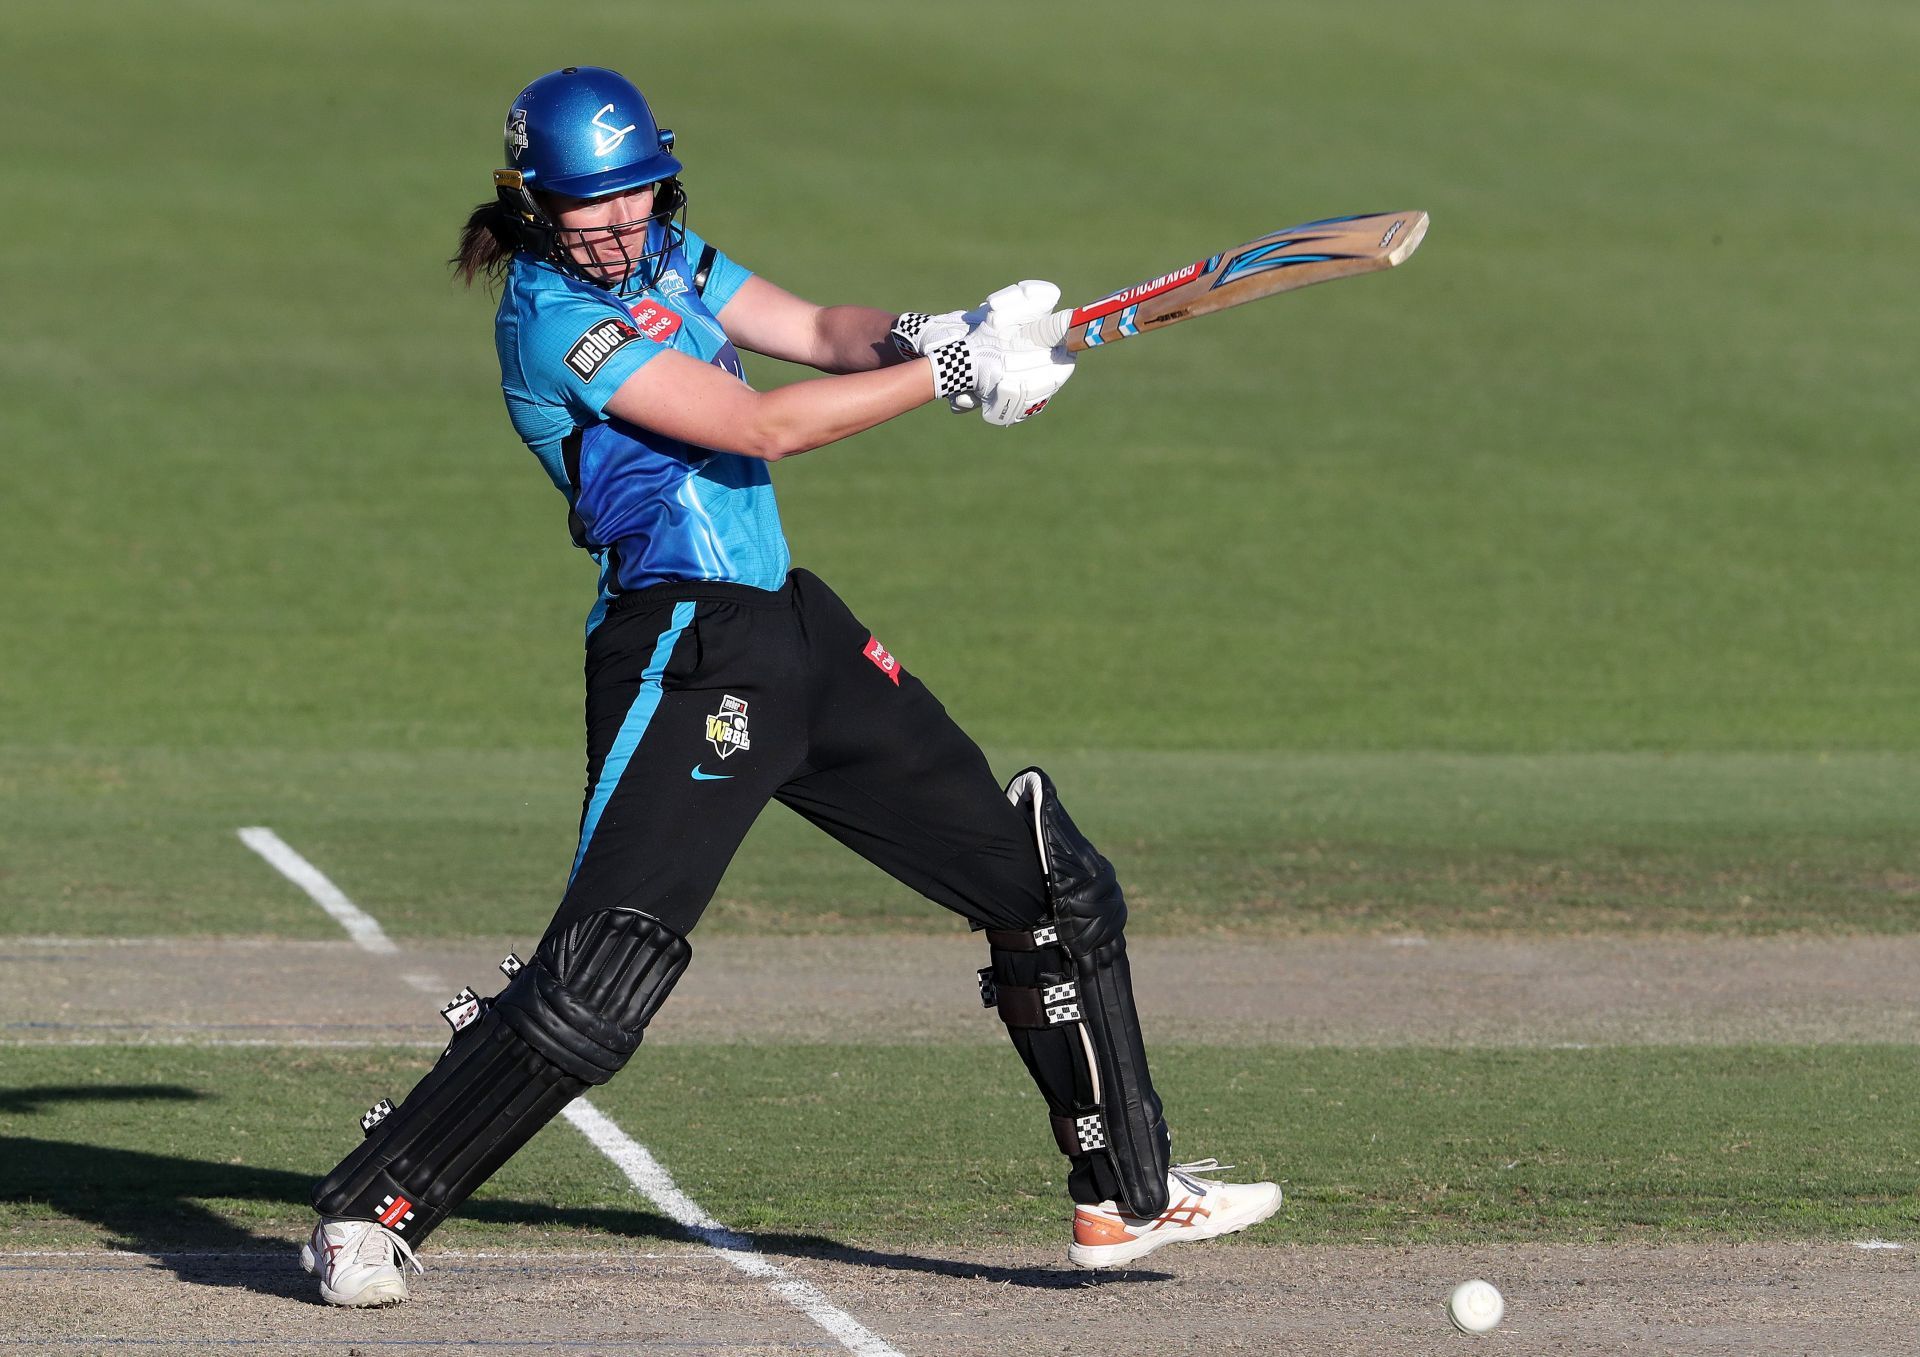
pixel 358 1262
pixel 1197 1208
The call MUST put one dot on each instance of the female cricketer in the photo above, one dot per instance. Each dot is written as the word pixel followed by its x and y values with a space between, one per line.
pixel 718 679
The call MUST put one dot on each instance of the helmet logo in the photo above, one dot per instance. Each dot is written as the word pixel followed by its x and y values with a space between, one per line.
pixel 516 132
pixel 608 138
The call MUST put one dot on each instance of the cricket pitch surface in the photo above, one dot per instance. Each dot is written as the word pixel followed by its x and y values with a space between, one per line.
pixel 1234 1296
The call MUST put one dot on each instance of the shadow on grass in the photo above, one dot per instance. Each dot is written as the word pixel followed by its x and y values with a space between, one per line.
pixel 1039 1278
pixel 158 1205
pixel 25 1101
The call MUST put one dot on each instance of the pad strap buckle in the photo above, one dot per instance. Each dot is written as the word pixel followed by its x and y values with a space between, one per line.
pixel 461 1013
pixel 374 1115
pixel 1082 1133
pixel 1024 939
pixel 1034 1005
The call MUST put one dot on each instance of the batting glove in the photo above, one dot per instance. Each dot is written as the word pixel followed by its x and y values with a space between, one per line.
pixel 1031 372
pixel 916 334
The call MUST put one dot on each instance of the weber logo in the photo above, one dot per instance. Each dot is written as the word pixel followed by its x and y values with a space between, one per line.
pixel 591 351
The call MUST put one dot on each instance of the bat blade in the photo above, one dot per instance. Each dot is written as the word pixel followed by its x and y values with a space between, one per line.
pixel 1299 256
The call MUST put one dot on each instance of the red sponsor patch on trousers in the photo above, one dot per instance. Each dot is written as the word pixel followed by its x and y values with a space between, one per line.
pixel 882 660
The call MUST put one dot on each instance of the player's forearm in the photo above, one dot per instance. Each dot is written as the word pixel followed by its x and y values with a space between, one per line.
pixel 806 415
pixel 853 339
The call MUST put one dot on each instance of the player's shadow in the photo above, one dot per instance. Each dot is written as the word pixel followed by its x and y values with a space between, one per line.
pixel 22 1101
pixel 157 1205
pixel 1035 1277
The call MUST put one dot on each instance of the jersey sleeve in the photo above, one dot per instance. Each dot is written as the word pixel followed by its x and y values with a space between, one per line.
pixel 577 350
pixel 723 280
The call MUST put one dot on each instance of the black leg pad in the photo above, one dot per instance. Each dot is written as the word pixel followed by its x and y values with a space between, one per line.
pixel 1091 997
pixel 566 1022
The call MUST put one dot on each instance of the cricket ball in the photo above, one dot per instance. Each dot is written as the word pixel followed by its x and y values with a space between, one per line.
pixel 1475 1306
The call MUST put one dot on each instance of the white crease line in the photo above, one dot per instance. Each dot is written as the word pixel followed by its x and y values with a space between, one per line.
pixel 654 1183
pixel 1878 1244
pixel 642 1169
pixel 360 925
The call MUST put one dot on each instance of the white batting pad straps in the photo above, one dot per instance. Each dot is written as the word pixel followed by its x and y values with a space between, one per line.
pixel 463 1010
pixel 374 1115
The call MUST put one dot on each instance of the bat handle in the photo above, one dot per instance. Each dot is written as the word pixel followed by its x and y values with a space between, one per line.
pixel 1048 331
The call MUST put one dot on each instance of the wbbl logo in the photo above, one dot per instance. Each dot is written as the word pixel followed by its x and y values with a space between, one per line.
pixel 727 728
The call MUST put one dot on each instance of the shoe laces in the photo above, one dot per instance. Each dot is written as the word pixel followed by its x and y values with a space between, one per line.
pixel 1189 1173
pixel 390 1248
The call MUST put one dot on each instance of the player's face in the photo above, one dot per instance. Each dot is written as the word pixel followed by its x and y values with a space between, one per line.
pixel 605 235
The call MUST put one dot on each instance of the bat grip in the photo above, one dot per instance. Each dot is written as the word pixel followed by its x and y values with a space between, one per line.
pixel 1048 331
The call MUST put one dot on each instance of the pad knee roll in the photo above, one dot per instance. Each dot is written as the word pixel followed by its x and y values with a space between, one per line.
pixel 567 1021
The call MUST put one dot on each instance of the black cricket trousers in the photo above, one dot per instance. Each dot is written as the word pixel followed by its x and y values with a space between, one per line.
pixel 705 701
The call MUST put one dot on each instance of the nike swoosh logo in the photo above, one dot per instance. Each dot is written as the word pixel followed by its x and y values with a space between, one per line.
pixel 699 776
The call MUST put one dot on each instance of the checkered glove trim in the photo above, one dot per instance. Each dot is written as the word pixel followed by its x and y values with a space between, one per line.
pixel 906 331
pixel 953 373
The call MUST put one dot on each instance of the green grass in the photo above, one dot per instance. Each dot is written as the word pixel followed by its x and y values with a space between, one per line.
pixel 1560 581
pixel 1622 460
pixel 435 845
pixel 901 1147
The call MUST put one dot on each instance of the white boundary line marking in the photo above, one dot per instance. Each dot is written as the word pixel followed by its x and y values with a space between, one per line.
pixel 360 926
pixel 642 1170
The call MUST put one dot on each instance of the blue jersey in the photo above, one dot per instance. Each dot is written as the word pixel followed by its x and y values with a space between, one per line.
pixel 650 509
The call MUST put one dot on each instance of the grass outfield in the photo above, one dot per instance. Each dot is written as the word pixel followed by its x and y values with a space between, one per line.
pixel 1622 460
pixel 1561 581
pixel 875 1145
pixel 141 842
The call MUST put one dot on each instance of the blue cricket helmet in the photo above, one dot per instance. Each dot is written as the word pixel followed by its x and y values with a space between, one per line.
pixel 586 131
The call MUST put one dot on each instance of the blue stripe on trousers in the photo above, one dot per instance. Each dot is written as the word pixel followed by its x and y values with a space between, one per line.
pixel 639 715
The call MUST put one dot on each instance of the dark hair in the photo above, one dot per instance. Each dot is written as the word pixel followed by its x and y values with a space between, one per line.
pixel 487 243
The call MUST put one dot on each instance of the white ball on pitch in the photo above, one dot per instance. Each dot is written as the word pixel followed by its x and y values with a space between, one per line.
pixel 1475 1306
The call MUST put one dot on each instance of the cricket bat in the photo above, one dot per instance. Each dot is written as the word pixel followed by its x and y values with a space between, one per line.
pixel 1300 256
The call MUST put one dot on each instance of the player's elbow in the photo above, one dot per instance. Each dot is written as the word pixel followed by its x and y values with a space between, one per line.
pixel 775 432
pixel 771 442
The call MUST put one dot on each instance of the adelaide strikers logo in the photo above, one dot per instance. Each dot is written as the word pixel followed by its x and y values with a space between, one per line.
pixel 727 728
pixel 517 132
